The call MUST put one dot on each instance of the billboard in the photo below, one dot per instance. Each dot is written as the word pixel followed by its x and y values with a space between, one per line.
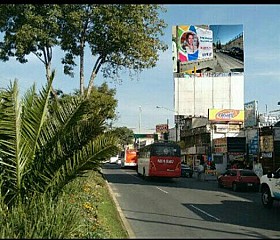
pixel 207 48
pixel 250 118
pixel 226 115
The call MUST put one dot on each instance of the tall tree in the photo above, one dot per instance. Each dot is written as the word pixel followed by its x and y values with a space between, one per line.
pixel 125 135
pixel 29 29
pixel 120 37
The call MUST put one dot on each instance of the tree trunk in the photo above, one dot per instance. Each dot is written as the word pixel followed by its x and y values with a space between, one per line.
pixel 48 75
pixel 90 84
pixel 82 77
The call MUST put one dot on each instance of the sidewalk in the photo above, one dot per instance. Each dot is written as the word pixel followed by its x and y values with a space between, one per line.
pixel 205 177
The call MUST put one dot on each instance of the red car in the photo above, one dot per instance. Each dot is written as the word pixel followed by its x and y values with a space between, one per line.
pixel 238 179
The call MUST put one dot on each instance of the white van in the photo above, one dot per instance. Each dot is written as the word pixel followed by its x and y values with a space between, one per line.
pixel 114 159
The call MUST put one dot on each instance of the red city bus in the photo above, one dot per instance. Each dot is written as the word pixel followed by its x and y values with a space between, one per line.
pixel 160 159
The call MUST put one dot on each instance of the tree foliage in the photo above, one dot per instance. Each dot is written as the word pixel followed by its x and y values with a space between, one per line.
pixel 125 135
pixel 119 36
pixel 101 98
pixel 29 29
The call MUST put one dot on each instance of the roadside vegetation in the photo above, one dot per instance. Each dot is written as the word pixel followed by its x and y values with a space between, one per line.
pixel 52 144
pixel 85 210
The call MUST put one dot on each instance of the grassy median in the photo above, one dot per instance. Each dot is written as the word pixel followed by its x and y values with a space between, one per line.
pixel 90 195
pixel 84 210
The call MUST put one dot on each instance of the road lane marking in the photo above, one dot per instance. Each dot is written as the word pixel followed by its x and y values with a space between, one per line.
pixel 209 215
pixel 161 190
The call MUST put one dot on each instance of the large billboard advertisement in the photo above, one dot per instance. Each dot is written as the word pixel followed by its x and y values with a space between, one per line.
pixel 207 48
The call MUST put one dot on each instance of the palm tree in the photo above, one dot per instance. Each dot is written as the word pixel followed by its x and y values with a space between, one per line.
pixel 46 143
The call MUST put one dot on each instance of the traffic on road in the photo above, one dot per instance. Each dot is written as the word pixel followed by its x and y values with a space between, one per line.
pixel 189 207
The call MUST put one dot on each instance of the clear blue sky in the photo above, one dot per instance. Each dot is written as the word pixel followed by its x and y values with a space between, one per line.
pixel 261 26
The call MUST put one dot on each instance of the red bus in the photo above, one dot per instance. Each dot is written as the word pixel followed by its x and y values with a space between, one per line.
pixel 160 159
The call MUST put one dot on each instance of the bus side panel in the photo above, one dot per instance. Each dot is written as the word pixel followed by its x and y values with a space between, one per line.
pixel 165 166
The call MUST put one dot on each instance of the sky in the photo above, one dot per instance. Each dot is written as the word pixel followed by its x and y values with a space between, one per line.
pixel 138 98
pixel 226 32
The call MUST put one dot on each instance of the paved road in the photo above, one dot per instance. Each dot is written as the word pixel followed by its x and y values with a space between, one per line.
pixel 188 208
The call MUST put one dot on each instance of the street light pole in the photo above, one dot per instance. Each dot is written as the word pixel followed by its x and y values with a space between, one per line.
pixel 167 109
pixel 140 113
pixel 176 124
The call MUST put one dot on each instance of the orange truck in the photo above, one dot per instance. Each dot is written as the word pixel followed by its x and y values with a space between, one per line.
pixel 129 158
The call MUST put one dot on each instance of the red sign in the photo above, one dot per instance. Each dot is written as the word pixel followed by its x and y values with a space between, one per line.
pixel 161 128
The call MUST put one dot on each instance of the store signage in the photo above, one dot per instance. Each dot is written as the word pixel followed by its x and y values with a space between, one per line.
pixel 228 115
pixel 266 143
pixel 267 155
pixel 161 128
pixel 224 128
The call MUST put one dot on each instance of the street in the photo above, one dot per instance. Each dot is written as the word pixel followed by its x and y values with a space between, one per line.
pixel 188 208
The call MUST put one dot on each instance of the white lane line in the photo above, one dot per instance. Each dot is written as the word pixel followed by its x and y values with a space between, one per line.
pixel 161 190
pixel 205 212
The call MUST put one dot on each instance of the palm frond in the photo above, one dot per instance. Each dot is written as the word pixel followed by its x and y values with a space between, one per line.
pixel 87 158
pixel 10 137
pixel 19 132
pixel 35 115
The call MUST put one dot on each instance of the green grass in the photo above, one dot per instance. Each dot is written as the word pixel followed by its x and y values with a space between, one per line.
pixel 84 210
pixel 91 196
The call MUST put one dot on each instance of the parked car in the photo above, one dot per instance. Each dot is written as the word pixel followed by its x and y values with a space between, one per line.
pixel 186 171
pixel 238 179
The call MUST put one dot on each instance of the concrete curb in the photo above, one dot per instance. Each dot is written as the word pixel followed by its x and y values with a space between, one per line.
pixel 123 218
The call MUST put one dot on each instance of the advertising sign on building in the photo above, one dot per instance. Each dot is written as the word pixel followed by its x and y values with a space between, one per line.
pixel 194 43
pixel 161 128
pixel 224 128
pixel 198 48
pixel 266 143
pixel 220 145
pixel 253 145
pixel 250 111
pixel 226 115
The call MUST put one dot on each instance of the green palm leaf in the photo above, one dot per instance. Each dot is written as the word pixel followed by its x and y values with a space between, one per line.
pixel 88 158
pixel 19 133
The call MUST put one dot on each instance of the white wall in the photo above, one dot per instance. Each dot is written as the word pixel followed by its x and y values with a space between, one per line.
pixel 194 95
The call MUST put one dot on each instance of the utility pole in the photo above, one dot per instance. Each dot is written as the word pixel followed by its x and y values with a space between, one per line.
pixel 176 124
pixel 140 113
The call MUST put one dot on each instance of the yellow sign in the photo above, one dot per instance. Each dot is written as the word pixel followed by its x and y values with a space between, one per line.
pixel 211 172
pixel 228 115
